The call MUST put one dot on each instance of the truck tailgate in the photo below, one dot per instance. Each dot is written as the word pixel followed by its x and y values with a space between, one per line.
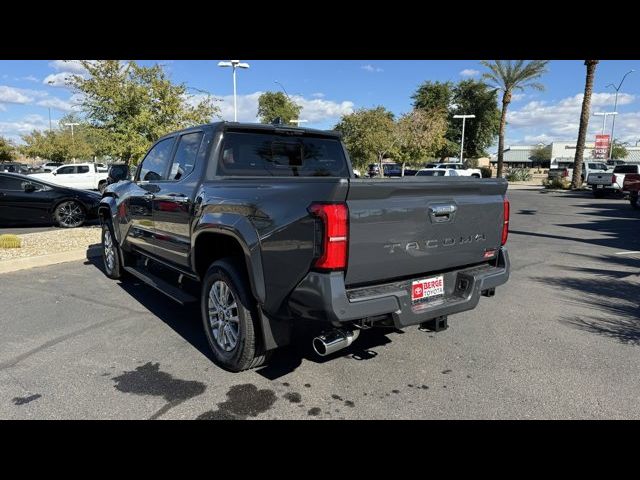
pixel 600 179
pixel 415 226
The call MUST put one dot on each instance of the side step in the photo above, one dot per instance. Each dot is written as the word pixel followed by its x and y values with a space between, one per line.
pixel 162 286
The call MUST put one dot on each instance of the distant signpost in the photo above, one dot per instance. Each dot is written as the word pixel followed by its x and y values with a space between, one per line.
pixel 602 146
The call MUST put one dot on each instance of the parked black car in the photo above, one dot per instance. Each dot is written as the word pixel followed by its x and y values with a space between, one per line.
pixel 267 227
pixel 26 201
pixel 14 167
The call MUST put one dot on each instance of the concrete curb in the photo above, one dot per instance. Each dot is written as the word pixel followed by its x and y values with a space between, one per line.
pixel 8 266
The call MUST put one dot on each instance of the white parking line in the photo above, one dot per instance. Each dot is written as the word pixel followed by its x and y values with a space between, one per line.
pixel 626 253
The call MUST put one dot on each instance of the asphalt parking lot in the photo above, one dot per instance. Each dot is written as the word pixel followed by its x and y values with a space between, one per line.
pixel 561 340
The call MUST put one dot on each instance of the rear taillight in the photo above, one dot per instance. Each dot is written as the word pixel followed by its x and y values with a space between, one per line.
pixel 505 224
pixel 335 235
pixel 565 173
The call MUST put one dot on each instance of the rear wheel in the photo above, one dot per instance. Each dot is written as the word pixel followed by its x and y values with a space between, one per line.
pixel 634 200
pixel 69 214
pixel 230 318
pixel 110 253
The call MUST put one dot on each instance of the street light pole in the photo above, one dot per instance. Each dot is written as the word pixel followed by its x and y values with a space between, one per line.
pixel 615 108
pixel 73 141
pixel 234 64
pixel 464 118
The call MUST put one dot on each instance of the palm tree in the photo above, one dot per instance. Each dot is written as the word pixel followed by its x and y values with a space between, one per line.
pixel 509 76
pixel 576 181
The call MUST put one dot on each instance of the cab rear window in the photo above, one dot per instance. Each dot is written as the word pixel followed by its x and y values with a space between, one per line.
pixel 267 154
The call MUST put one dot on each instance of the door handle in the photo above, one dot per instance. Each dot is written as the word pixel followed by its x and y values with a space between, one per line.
pixel 149 196
pixel 178 197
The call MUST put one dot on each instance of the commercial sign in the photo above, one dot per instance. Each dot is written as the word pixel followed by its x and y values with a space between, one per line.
pixel 602 147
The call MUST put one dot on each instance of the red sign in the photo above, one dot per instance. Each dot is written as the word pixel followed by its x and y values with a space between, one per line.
pixel 602 146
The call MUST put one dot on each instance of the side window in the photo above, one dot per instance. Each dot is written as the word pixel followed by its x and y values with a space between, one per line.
pixel 11 184
pixel 66 170
pixel 186 153
pixel 155 164
pixel 83 169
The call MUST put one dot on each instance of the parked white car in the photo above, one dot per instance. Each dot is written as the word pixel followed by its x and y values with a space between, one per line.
pixel 437 172
pixel 462 171
pixel 84 176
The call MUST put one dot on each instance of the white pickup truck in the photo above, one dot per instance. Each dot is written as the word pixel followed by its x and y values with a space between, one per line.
pixel 84 176
pixel 610 182
pixel 461 169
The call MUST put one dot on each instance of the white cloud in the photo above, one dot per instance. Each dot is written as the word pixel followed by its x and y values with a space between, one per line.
pixel 72 66
pixel 318 95
pixel 370 68
pixel 57 103
pixel 315 110
pixel 469 72
pixel 13 130
pixel 14 95
pixel 29 78
pixel 319 110
pixel 548 121
pixel 58 80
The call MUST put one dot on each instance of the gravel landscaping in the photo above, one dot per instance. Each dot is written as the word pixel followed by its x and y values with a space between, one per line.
pixel 55 241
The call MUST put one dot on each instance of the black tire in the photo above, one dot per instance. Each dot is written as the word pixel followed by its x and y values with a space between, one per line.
pixel 113 269
pixel 69 214
pixel 633 200
pixel 247 352
pixel 102 186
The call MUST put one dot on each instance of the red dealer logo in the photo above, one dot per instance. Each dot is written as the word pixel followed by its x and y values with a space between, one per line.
pixel 417 291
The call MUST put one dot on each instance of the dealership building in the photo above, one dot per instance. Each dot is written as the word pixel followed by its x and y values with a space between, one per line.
pixel 520 156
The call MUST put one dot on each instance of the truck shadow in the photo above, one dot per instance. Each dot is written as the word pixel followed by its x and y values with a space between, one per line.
pixel 186 322
pixel 610 294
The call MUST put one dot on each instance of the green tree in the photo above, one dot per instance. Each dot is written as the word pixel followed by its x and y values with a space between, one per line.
pixel 541 154
pixel 465 97
pixel 272 105
pixel 510 76
pixel 576 181
pixel 368 135
pixel 419 134
pixel 618 151
pixel 132 106
pixel 6 150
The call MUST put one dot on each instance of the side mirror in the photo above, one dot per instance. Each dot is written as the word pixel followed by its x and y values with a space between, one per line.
pixel 54 172
pixel 29 187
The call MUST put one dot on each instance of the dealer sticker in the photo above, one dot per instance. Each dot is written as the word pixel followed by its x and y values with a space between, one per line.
pixel 427 288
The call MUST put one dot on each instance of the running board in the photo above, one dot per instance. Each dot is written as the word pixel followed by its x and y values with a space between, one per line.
pixel 162 286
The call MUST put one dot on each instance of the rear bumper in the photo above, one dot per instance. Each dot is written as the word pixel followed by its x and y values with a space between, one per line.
pixel 323 296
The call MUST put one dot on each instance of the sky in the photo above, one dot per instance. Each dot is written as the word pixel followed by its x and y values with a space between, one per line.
pixel 328 89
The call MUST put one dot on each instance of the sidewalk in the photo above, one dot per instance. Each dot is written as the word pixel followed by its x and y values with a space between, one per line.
pixel 51 247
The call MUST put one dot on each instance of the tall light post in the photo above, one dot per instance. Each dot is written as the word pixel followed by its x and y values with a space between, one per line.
pixel 604 119
pixel 234 64
pixel 73 141
pixel 615 108
pixel 464 119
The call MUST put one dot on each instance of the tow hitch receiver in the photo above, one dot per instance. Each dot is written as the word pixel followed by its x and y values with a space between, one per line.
pixel 437 324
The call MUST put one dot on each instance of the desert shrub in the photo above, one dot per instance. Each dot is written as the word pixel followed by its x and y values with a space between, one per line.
pixel 486 172
pixel 519 175
pixel 557 183
pixel 10 241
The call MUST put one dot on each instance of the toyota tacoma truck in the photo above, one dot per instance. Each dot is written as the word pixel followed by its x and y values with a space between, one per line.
pixel 632 185
pixel 267 228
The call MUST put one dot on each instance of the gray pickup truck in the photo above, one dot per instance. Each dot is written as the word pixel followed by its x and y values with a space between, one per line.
pixel 267 227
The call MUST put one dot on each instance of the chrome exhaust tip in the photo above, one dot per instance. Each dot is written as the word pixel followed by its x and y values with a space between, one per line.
pixel 334 340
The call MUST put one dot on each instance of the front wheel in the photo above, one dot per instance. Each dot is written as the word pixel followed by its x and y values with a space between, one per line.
pixel 230 318
pixel 110 253
pixel 69 214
